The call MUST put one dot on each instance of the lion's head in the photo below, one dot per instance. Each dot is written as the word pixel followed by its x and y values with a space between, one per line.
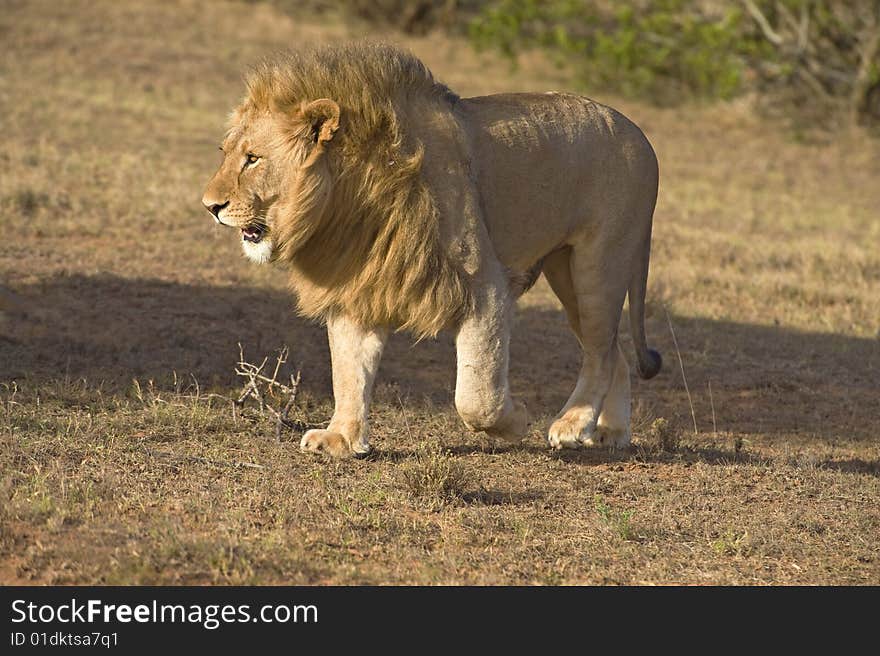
pixel 266 152
pixel 322 173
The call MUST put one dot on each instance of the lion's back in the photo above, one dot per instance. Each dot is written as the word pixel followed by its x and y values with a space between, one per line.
pixel 550 164
pixel 562 125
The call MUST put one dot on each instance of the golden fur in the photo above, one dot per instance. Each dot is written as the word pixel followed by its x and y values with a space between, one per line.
pixel 351 223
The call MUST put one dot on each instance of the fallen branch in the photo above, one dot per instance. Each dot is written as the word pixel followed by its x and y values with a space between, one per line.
pixel 256 383
pixel 283 419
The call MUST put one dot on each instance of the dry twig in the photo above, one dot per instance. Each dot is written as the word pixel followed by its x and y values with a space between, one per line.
pixel 683 377
pixel 259 386
pixel 712 404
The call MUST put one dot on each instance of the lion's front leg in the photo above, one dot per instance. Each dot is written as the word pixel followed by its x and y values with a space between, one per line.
pixel 482 392
pixel 355 353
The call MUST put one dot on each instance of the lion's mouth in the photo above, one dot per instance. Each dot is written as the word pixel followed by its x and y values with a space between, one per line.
pixel 253 233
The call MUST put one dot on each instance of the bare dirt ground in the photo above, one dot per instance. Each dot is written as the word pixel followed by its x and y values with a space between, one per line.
pixel 122 462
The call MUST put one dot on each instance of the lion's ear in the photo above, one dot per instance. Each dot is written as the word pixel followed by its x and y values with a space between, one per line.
pixel 323 117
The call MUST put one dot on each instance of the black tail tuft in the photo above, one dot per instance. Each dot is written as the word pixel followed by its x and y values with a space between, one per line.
pixel 651 366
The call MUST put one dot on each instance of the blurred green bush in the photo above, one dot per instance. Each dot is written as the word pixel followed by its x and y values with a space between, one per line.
pixel 811 59
pixel 661 51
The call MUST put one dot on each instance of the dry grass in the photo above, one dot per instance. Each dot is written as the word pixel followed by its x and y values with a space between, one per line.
pixel 121 458
pixel 434 477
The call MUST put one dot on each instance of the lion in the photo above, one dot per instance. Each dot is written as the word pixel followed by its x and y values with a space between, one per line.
pixel 394 204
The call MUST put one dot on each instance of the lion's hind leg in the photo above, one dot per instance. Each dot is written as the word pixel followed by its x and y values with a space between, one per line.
pixel 613 427
pixel 557 271
pixel 593 302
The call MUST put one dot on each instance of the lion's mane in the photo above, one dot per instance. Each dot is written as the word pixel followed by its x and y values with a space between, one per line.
pixel 361 230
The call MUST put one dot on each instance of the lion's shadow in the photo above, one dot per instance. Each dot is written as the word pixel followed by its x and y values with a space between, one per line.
pixel 109 330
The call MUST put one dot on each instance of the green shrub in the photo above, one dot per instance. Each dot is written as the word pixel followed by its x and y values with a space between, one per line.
pixel 821 58
pixel 662 50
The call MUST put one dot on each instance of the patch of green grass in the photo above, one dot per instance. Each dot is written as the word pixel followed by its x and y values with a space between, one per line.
pixel 619 521
pixel 732 543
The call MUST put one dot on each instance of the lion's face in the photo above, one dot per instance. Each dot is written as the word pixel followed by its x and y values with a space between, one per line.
pixel 247 184
pixel 264 155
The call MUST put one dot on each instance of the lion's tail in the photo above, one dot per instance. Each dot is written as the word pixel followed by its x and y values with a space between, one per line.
pixel 649 360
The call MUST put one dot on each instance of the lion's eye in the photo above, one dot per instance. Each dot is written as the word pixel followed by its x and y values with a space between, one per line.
pixel 252 159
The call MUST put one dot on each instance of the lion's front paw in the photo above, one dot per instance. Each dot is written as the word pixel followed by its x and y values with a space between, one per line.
pixel 325 441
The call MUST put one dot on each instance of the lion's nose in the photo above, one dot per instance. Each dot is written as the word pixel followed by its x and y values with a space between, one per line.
pixel 214 208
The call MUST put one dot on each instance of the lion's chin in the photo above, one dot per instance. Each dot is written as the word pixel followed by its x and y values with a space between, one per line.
pixel 259 252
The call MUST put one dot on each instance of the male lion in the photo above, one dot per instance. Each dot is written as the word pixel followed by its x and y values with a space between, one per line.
pixel 395 204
